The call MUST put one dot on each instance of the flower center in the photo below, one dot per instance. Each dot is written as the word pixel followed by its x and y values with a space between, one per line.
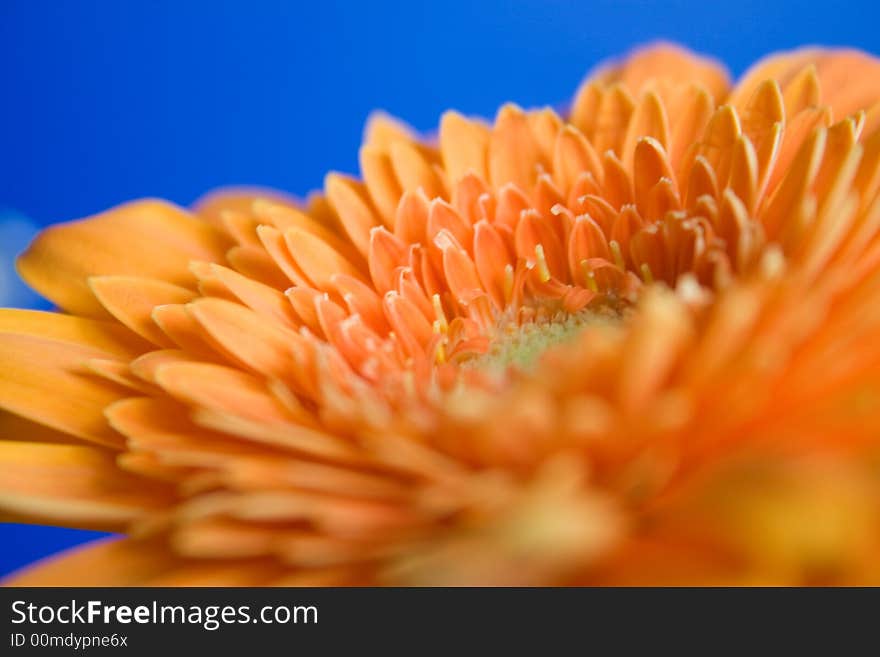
pixel 521 344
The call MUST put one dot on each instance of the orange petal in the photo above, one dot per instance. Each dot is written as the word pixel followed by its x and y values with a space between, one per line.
pixel 572 156
pixel 242 334
pixel 411 220
pixel 107 337
pixel 256 264
pixel 302 300
pixel 241 227
pixel 347 199
pixel 131 300
pixel 46 381
pixel 146 366
pixel 835 69
pixel 513 151
pixel 511 204
pixel 492 258
pixel 362 300
pixel 649 167
pixel 618 184
pixel 16 428
pixel 532 232
pixel 545 124
pixel 239 200
pixel 652 348
pixel 612 120
pixel 470 197
pixel 443 216
pixel 382 130
pixel 108 562
pixel 744 173
pixel 261 298
pixel 387 253
pixel 585 107
pixel 463 145
pixel 223 389
pixel 687 127
pixel 317 259
pixel 152 239
pixel 798 178
pixel 763 110
pixel 586 241
pixel 413 171
pixel 117 372
pixel 461 274
pixel 183 330
pixel 285 217
pixel 381 182
pixel 666 62
pixel 411 290
pixel 719 139
pixel 701 182
pixel 73 485
pixel 408 323
pixel 276 247
pixel 648 120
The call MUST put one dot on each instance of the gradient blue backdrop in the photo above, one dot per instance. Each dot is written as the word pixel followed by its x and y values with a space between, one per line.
pixel 107 101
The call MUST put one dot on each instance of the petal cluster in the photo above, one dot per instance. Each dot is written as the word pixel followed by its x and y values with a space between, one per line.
pixel 678 279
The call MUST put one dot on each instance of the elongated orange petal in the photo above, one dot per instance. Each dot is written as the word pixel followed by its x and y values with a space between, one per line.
pixel 266 300
pixel 513 152
pixel 381 182
pixel 491 258
pixel 413 171
pixel 108 562
pixel 220 388
pixel 666 61
pixel 246 337
pixel 317 258
pixel 103 336
pixel 131 300
pixel 461 274
pixel 354 212
pixel 62 258
pixel 586 241
pixel 408 323
pixel 650 165
pixel 361 300
pixel 612 120
pixel 411 220
pixel 72 484
pixel 46 381
pixel 443 216
pixel 463 145
pixel 532 232
pixel 648 120
pixel 386 254
pixel 573 155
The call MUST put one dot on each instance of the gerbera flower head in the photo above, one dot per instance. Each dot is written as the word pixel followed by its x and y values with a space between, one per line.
pixel 632 342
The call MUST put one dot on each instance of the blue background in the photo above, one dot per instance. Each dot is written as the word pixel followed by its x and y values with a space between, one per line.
pixel 101 102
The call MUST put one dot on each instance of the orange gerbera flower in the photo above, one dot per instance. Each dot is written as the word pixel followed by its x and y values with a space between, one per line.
pixel 633 344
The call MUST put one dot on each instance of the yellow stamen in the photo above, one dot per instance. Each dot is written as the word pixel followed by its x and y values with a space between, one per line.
pixel 589 277
pixel 441 325
pixel 543 269
pixel 647 276
pixel 440 354
pixel 618 255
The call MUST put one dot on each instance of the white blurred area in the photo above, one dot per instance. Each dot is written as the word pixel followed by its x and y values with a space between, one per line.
pixel 16 232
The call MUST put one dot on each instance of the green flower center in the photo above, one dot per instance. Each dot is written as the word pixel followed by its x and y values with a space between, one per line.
pixel 522 345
